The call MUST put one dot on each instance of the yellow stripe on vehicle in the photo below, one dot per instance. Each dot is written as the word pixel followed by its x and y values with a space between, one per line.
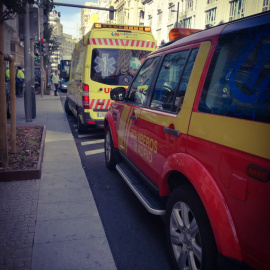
pixel 244 135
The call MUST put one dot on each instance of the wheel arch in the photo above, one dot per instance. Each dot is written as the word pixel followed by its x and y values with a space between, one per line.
pixel 183 169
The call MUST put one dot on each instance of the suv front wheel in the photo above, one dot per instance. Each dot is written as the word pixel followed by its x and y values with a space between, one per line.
pixel 108 145
pixel 189 234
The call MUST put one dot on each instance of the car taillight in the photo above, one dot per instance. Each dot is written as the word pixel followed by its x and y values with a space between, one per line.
pixel 85 96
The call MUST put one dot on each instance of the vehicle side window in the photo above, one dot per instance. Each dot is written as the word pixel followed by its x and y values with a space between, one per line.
pixel 238 81
pixel 139 88
pixel 80 66
pixel 172 80
pixel 74 64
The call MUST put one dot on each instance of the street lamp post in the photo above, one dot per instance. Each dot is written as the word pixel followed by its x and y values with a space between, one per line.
pixel 177 11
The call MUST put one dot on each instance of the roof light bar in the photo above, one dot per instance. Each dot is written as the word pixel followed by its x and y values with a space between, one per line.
pixel 125 27
pixel 176 33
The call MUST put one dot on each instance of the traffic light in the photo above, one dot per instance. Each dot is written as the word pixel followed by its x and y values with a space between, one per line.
pixel 44 46
pixel 36 54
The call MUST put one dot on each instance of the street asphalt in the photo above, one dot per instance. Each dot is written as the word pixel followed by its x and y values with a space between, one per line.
pixel 52 222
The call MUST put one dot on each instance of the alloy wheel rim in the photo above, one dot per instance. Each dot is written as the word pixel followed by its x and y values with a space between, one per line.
pixel 185 237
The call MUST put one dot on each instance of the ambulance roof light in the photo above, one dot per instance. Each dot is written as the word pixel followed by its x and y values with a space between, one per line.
pixel 125 27
pixel 176 33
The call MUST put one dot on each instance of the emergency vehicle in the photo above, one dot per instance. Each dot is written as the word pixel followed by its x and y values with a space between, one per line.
pixel 107 56
pixel 191 138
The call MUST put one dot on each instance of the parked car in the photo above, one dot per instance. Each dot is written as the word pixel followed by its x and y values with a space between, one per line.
pixel 190 137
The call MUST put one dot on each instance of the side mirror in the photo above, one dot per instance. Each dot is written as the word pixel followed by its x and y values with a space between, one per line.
pixel 118 93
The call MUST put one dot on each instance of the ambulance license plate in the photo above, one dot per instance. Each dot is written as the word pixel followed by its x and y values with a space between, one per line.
pixel 101 114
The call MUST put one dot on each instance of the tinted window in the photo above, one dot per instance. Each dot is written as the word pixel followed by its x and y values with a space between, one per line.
pixel 116 66
pixel 139 88
pixel 237 83
pixel 172 80
pixel 77 65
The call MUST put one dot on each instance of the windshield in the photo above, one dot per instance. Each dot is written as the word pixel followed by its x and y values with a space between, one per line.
pixel 116 66
pixel 65 68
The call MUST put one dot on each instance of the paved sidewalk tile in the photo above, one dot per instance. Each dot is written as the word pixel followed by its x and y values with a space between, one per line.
pixel 18 213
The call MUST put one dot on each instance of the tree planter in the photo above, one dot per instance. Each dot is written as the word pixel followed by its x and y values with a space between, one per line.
pixel 33 169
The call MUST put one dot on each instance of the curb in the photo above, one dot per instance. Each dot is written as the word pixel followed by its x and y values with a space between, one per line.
pixel 28 174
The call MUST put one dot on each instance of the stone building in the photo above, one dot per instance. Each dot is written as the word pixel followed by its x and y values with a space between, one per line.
pixel 128 12
pixel 67 46
pixel 12 44
pixel 86 15
pixel 57 27
pixel 163 15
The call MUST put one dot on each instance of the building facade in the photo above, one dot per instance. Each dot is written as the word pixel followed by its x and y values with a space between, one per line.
pixel 163 15
pixel 129 12
pixel 67 46
pixel 57 32
pixel 87 14
pixel 12 44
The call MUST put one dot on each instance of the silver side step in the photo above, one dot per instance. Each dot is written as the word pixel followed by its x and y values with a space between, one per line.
pixel 149 201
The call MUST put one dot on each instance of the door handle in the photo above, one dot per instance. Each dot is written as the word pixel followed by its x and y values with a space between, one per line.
pixel 133 117
pixel 173 132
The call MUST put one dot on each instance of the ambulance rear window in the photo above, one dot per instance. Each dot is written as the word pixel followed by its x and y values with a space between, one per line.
pixel 116 66
pixel 238 81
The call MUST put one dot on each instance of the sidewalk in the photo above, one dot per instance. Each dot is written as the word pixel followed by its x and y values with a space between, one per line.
pixel 52 222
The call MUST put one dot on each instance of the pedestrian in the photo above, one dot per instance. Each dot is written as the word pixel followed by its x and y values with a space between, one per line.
pixel 19 82
pixel 55 81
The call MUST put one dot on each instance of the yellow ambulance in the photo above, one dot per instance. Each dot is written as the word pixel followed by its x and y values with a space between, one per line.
pixel 109 55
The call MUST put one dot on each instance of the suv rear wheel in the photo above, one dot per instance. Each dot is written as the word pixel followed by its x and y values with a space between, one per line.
pixel 188 230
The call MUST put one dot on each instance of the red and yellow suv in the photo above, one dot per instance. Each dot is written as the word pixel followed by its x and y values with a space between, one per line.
pixel 191 138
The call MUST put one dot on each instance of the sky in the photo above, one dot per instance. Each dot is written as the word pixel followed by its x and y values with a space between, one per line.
pixel 71 16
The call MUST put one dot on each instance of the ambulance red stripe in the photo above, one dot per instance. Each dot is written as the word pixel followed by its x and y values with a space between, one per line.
pixel 121 42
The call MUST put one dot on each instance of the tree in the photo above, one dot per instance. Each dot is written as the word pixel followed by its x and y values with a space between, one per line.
pixel 47 34
pixel 53 44
pixel 13 7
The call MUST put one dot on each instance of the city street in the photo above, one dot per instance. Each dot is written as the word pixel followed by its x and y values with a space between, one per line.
pixel 136 237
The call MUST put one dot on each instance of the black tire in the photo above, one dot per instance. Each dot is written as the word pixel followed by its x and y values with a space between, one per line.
pixel 8 106
pixel 109 148
pixel 67 109
pixel 190 238
pixel 81 128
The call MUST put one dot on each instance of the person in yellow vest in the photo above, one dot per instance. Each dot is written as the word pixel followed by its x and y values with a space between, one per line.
pixel 8 79
pixel 7 74
pixel 19 82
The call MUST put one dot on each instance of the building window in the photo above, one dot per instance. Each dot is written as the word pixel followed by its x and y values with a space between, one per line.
pixel 211 1
pixel 237 9
pixel 266 5
pixel 141 14
pixel 210 18
pixel 187 22
pixel 12 47
pixel 189 5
